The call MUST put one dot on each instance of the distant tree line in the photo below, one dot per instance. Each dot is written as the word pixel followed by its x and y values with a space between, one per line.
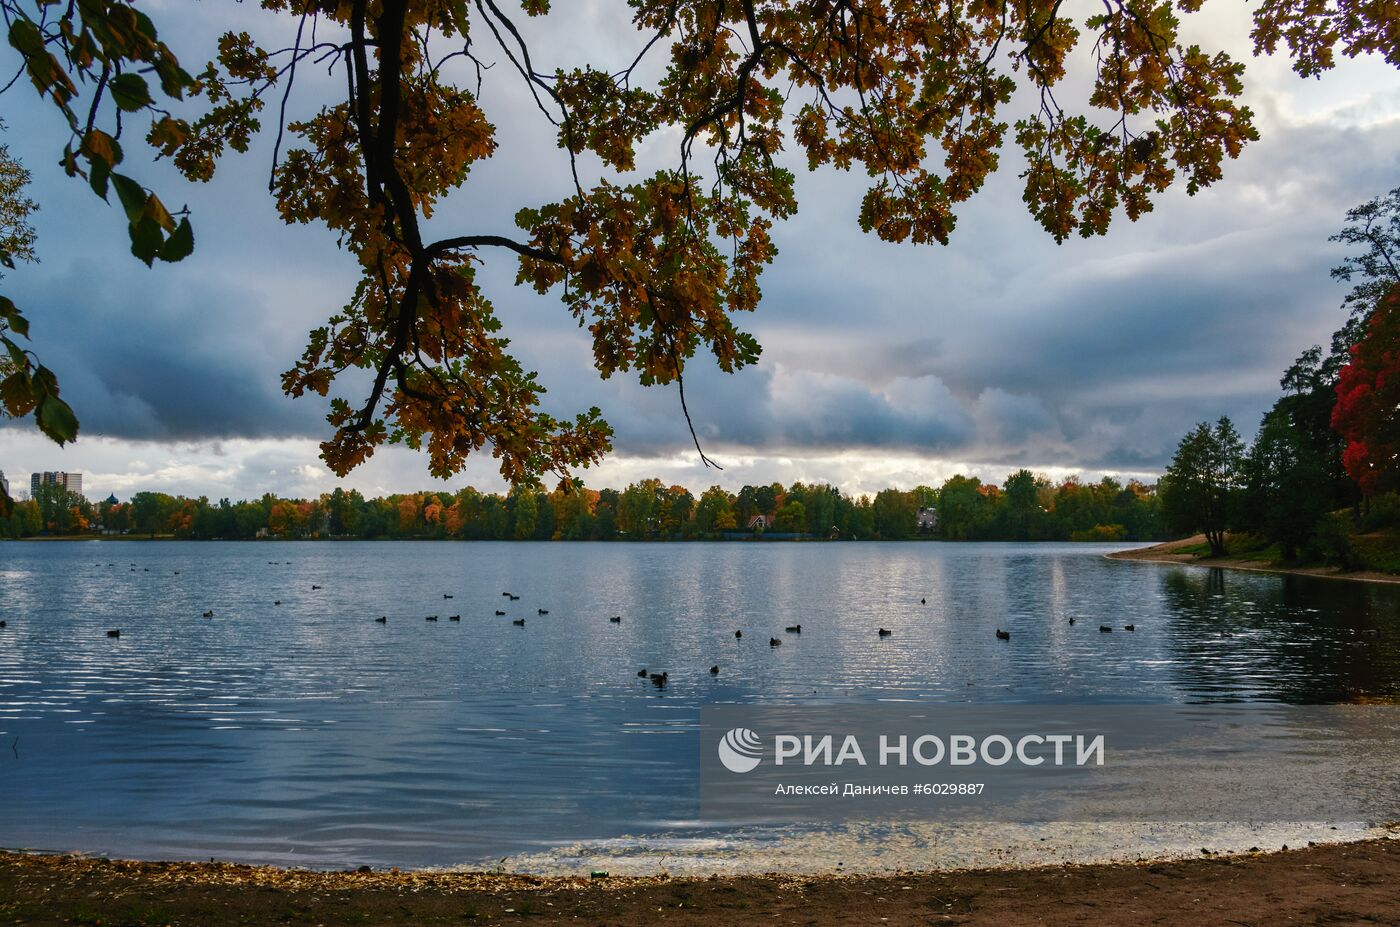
pixel 1324 467
pixel 1024 507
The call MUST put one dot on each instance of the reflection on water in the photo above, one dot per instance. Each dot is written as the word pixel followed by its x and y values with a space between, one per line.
pixel 307 732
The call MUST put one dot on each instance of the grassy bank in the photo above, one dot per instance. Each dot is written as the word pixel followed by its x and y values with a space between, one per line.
pixel 1333 884
pixel 1375 557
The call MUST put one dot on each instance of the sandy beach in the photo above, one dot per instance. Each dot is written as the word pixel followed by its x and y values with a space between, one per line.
pixel 1350 883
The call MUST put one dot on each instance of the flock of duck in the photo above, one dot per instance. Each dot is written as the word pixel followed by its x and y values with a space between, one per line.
pixel 659 679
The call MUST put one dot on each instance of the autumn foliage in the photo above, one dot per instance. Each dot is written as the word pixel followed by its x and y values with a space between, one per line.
pixel 658 264
pixel 1367 413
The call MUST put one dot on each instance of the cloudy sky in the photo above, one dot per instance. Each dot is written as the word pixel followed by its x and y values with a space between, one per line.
pixel 882 365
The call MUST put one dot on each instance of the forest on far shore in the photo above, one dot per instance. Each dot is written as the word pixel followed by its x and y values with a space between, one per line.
pixel 1025 507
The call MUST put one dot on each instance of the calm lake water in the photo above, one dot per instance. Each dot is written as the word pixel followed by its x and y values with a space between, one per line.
pixel 307 733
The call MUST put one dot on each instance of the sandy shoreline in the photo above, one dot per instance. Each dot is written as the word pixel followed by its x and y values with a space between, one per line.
pixel 1325 884
pixel 1172 552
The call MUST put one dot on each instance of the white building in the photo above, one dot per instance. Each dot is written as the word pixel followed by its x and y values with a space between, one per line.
pixel 71 482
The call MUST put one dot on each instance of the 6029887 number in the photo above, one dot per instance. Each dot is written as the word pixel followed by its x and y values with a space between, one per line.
pixel 949 788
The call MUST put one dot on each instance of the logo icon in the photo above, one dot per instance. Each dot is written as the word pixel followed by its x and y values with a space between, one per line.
pixel 740 750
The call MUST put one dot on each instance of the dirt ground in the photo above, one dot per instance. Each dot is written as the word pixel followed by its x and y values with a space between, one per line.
pixel 1334 885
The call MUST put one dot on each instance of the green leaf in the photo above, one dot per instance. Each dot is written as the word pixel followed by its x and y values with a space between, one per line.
pixel 146 239
pixel 130 92
pixel 97 177
pixel 56 419
pixel 180 243
pixel 13 318
pixel 25 37
pixel 132 195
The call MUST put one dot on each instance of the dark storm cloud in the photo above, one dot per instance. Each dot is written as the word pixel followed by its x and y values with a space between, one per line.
pixel 172 356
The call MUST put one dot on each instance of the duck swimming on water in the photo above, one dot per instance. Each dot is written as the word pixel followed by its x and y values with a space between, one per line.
pixel 1003 635
pixel 793 629
pixel 885 632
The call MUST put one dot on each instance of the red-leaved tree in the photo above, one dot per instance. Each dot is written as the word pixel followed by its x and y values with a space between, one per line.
pixel 1367 413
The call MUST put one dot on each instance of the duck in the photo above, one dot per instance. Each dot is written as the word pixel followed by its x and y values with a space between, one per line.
pixel 714 670
pixel 446 596
pixel 642 673
pixel 382 619
pixel 314 588
pixel 519 621
pixel 507 593
pixel 209 614
pixel 793 629
pixel 115 632
pixel 430 618
pixel 454 617
pixel 177 572
pixel 738 634
pixel 1129 627
pixel 774 642
pixel 515 598
pixel 3 625
pixel 659 679
pixel 923 601
pixel 885 632
pixel 1105 629
pixel 1003 635
pixel 616 619
pixel 542 611
pixel 1071 621
pixel 278 602
pixel 499 612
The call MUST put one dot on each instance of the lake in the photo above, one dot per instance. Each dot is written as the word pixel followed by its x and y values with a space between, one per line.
pixel 307 733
